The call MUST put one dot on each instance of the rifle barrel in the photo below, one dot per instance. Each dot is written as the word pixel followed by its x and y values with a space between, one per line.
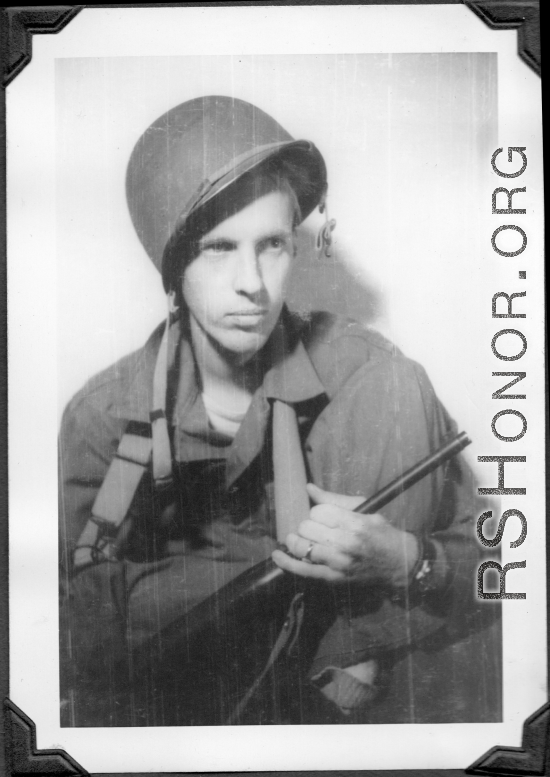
pixel 413 475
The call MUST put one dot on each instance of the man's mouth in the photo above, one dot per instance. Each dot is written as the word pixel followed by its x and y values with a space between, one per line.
pixel 249 312
pixel 248 316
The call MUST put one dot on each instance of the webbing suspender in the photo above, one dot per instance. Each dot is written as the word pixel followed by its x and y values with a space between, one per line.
pixel 98 541
pixel 114 498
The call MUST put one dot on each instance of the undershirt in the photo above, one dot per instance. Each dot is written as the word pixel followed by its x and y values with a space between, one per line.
pixel 226 416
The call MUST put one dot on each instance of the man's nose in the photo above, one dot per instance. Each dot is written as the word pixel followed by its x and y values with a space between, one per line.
pixel 248 273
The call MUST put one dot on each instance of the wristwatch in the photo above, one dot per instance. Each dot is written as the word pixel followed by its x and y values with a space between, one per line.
pixel 422 580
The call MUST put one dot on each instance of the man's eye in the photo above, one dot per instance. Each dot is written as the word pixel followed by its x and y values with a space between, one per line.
pixel 274 244
pixel 217 247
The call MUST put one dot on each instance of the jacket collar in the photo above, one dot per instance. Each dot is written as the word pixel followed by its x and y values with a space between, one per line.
pixel 137 403
pixel 290 377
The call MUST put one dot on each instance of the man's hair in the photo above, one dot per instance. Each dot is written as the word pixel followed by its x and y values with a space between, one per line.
pixel 274 175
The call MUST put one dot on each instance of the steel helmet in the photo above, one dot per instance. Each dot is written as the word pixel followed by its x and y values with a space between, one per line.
pixel 196 150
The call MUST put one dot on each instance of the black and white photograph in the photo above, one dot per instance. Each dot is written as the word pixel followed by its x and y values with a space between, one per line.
pixel 214 567
pixel 282 307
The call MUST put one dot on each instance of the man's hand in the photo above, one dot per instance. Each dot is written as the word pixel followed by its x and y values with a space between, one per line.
pixel 341 545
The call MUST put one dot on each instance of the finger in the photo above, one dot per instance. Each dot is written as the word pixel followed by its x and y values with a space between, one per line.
pixel 328 515
pixel 305 569
pixel 336 517
pixel 339 519
pixel 343 539
pixel 328 497
pixel 298 545
pixel 339 529
pixel 318 532
pixel 319 554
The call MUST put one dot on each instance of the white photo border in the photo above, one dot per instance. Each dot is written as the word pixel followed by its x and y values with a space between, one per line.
pixel 138 750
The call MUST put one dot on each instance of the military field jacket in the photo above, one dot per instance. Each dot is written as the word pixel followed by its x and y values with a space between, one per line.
pixel 366 413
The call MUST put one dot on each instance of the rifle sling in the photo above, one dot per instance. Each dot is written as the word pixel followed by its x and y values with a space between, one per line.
pixel 287 638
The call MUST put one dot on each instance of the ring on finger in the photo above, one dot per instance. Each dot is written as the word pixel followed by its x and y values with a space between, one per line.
pixel 307 554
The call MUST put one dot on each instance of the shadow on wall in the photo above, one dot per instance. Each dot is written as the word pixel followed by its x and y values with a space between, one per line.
pixel 330 283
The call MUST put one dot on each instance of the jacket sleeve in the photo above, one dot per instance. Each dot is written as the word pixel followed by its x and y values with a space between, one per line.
pixel 385 419
pixel 91 601
pixel 113 611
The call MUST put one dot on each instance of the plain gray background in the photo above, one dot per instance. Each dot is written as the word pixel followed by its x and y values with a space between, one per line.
pixel 407 140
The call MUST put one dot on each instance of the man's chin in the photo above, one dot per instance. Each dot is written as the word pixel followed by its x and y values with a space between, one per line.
pixel 242 346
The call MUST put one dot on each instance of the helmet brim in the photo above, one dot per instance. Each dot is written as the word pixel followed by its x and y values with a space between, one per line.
pixel 301 153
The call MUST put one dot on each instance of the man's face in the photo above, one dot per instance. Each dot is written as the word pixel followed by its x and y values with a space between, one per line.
pixel 235 287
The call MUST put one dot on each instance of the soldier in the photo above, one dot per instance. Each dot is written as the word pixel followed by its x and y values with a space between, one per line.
pixel 241 433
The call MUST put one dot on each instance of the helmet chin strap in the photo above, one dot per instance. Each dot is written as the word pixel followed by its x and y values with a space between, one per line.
pixel 324 236
pixel 162 454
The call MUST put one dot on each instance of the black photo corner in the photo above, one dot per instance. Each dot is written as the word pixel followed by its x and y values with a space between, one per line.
pixel 19 24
